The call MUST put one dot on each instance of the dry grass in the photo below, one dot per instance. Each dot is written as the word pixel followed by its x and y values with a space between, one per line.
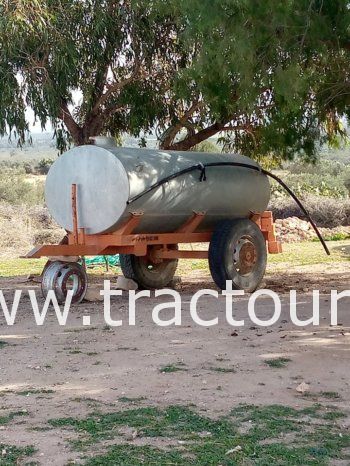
pixel 21 227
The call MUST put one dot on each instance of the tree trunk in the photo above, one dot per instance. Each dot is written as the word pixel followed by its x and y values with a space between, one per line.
pixel 195 139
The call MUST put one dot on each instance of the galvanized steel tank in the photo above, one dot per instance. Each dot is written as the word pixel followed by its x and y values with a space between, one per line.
pixel 108 176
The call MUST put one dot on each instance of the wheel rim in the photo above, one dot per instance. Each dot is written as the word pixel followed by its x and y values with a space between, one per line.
pixel 63 277
pixel 245 256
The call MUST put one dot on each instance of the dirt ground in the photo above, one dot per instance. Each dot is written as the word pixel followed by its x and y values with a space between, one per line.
pixel 51 372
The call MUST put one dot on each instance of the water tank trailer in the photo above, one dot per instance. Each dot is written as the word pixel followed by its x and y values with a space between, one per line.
pixel 142 204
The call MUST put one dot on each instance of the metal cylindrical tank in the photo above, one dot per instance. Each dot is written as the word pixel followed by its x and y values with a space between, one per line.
pixel 107 177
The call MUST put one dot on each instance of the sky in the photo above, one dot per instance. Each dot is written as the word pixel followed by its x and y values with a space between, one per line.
pixel 36 128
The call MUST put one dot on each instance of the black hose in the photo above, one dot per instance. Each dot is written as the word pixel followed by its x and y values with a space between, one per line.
pixel 308 216
pixel 202 168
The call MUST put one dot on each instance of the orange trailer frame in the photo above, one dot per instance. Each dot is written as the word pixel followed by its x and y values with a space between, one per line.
pixel 124 241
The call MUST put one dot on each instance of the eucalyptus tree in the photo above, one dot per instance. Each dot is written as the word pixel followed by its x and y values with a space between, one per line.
pixel 269 78
pixel 116 57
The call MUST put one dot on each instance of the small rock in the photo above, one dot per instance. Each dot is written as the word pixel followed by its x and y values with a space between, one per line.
pixel 303 387
pixel 93 295
pixel 234 450
pixel 126 284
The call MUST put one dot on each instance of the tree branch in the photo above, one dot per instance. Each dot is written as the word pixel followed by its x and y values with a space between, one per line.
pixel 117 86
pixel 171 133
pixel 195 139
pixel 206 133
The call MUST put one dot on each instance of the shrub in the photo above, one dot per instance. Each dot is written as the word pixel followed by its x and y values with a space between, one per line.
pixel 43 166
pixel 324 167
pixel 326 212
pixel 17 190
pixel 316 184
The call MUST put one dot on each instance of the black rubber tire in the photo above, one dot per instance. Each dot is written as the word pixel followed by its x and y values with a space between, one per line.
pixel 146 274
pixel 227 237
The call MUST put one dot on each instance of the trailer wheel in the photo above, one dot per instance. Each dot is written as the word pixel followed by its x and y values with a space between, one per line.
pixel 237 252
pixel 63 276
pixel 147 273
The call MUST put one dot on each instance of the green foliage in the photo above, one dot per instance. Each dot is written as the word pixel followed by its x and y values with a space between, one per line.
pixel 118 54
pixel 270 76
pixel 326 177
pixel 317 185
pixel 271 73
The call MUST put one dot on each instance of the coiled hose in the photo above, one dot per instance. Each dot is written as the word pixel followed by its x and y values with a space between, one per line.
pixel 203 176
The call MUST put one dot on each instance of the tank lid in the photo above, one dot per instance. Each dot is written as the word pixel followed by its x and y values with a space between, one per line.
pixel 103 141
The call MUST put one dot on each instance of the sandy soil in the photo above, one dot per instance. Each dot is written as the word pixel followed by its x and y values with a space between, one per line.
pixel 80 364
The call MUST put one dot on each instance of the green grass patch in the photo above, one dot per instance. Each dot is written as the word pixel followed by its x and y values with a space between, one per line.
pixel 277 363
pixel 126 399
pixel 331 395
pixel 308 253
pixel 179 366
pixel 12 456
pixel 9 417
pixel 18 267
pixel 276 434
pixel 3 344
pixel 224 370
pixel 333 237
pixel 334 415
pixel 35 391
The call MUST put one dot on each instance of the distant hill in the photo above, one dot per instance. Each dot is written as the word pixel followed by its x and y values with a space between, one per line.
pixel 44 146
